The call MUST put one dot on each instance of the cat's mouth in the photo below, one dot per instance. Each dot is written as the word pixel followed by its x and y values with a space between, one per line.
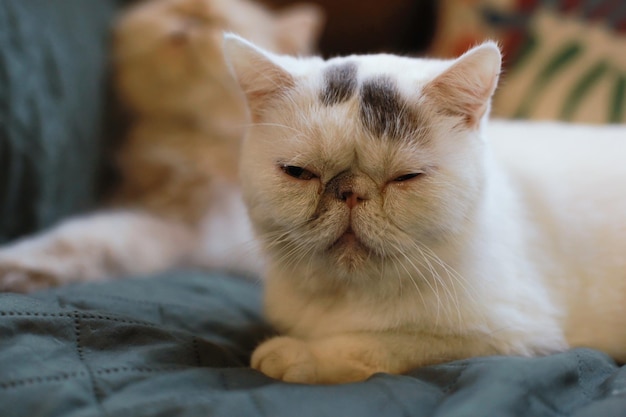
pixel 349 251
pixel 348 239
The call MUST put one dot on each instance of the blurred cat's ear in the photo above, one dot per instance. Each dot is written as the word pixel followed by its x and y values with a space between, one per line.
pixel 261 78
pixel 466 87
pixel 299 27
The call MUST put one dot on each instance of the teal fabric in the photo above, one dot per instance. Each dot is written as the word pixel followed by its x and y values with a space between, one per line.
pixel 53 72
pixel 178 345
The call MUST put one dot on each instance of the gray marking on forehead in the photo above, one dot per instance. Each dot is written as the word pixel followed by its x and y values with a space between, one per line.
pixel 385 113
pixel 340 82
pixel 380 106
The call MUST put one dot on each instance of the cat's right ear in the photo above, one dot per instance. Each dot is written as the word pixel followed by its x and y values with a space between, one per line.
pixel 466 87
pixel 261 78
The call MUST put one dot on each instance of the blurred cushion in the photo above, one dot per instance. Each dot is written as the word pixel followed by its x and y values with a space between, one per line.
pixel 53 60
pixel 563 60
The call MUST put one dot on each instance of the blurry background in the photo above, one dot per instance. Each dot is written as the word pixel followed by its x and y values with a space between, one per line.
pixel 360 26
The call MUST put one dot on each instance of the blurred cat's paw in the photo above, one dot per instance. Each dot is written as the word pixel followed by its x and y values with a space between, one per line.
pixel 286 358
pixel 15 277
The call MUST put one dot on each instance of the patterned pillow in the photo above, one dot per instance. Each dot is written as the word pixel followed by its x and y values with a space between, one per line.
pixel 564 59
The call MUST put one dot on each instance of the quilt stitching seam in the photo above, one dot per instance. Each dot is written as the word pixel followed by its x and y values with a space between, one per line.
pixel 146 369
pixel 73 316
pixel 579 369
pixel 81 356
pixel 196 351
pixel 36 380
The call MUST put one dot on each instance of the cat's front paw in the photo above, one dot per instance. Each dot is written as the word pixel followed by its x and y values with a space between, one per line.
pixel 15 277
pixel 286 358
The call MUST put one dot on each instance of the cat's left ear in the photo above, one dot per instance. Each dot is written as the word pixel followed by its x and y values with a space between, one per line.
pixel 299 27
pixel 257 71
pixel 466 87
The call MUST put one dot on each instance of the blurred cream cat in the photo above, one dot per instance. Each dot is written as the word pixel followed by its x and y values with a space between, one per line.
pixel 178 201
pixel 398 236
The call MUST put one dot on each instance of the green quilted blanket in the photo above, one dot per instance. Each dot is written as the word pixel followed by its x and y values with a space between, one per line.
pixel 53 78
pixel 178 345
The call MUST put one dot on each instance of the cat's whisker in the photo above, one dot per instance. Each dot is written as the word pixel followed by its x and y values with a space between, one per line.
pixel 265 237
pixel 453 296
pixel 267 124
pixel 415 285
pixel 452 273
pixel 292 252
pixel 398 274
pixel 307 249
pixel 410 277
pixel 297 255
pixel 434 287
pixel 469 292
pixel 303 249
pixel 383 265
pixel 437 280
pixel 434 273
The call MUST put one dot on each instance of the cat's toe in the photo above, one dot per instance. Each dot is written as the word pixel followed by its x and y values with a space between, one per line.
pixel 287 359
pixel 17 278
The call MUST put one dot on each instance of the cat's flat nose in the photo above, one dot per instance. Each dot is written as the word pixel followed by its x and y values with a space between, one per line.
pixel 349 188
pixel 351 198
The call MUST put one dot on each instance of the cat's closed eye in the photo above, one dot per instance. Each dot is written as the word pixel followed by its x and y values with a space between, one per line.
pixel 298 172
pixel 407 177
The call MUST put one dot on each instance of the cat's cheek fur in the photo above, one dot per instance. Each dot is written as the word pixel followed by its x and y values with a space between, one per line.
pixel 287 209
pixel 441 204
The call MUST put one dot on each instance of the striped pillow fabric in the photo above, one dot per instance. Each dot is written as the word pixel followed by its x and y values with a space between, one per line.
pixel 565 60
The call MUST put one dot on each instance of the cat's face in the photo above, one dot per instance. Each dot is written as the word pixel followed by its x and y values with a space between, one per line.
pixel 168 53
pixel 356 160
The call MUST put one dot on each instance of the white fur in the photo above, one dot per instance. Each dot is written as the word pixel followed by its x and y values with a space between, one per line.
pixel 137 243
pixel 516 249
pixel 226 241
pixel 571 181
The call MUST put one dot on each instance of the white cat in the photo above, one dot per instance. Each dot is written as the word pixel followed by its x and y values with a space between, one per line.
pixel 397 236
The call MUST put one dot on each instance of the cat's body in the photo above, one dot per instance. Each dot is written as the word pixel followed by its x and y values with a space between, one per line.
pixel 178 191
pixel 396 236
pixel 570 181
